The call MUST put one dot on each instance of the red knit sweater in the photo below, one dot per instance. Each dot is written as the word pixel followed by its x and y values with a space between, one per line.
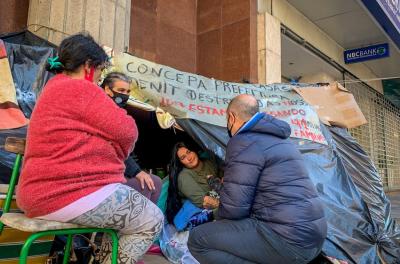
pixel 78 139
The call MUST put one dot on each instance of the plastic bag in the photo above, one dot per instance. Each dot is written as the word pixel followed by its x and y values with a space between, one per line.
pixel 174 246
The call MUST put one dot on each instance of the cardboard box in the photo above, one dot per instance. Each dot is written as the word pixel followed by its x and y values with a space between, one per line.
pixel 334 104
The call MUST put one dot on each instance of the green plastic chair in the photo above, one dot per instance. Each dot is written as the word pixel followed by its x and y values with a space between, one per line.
pixel 38 227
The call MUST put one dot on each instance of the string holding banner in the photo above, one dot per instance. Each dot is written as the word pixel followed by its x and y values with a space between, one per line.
pixel 187 95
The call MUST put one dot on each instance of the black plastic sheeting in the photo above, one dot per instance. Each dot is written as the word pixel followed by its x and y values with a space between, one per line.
pixel 27 55
pixel 360 227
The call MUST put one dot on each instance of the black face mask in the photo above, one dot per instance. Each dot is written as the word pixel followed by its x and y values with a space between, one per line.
pixel 120 99
pixel 229 130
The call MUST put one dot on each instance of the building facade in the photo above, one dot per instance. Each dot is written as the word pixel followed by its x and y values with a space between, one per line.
pixel 262 41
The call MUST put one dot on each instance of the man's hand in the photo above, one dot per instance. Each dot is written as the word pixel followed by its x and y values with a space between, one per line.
pixel 210 202
pixel 143 178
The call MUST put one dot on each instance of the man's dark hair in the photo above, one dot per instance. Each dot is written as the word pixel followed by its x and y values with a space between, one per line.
pixel 76 50
pixel 244 106
pixel 112 77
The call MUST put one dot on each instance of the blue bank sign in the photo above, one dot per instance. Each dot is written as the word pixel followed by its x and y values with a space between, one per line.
pixel 366 53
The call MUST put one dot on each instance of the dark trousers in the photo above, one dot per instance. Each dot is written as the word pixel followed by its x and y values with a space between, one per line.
pixel 146 192
pixel 244 241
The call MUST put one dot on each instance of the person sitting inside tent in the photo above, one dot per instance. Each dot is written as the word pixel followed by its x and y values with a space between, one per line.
pixel 192 180
pixel 117 86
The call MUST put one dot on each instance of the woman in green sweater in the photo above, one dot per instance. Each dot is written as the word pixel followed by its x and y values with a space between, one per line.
pixel 191 178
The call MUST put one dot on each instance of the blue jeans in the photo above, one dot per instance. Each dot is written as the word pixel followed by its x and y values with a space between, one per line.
pixel 244 241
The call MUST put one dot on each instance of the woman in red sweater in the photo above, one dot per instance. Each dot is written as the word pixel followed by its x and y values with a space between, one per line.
pixel 77 142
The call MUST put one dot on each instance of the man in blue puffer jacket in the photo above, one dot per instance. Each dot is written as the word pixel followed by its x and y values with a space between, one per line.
pixel 269 207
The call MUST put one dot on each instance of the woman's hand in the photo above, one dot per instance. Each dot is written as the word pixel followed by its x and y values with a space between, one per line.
pixel 143 178
pixel 210 202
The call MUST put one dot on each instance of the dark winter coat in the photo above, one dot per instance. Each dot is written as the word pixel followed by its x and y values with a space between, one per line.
pixel 265 178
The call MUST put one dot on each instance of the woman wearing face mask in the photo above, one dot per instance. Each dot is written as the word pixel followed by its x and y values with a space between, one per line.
pixel 191 178
pixel 77 142
pixel 117 86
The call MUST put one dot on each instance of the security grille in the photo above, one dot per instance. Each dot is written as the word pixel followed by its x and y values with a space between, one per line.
pixel 380 137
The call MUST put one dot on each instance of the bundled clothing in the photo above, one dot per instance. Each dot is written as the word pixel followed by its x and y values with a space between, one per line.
pixel 267 194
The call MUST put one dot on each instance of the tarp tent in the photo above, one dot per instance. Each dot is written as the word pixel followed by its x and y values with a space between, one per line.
pixel 360 227
pixel 26 54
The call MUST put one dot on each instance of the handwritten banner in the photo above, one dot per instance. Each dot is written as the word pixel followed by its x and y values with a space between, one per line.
pixel 187 95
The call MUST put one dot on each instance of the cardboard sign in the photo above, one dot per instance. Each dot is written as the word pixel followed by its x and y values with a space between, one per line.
pixel 187 95
pixel 334 104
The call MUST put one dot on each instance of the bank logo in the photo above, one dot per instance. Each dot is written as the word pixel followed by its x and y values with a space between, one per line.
pixel 380 50
pixel 366 53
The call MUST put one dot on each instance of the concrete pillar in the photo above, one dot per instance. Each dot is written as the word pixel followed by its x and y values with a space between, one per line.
pixel 108 21
pixel 13 15
pixel 214 38
pixel 269 49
